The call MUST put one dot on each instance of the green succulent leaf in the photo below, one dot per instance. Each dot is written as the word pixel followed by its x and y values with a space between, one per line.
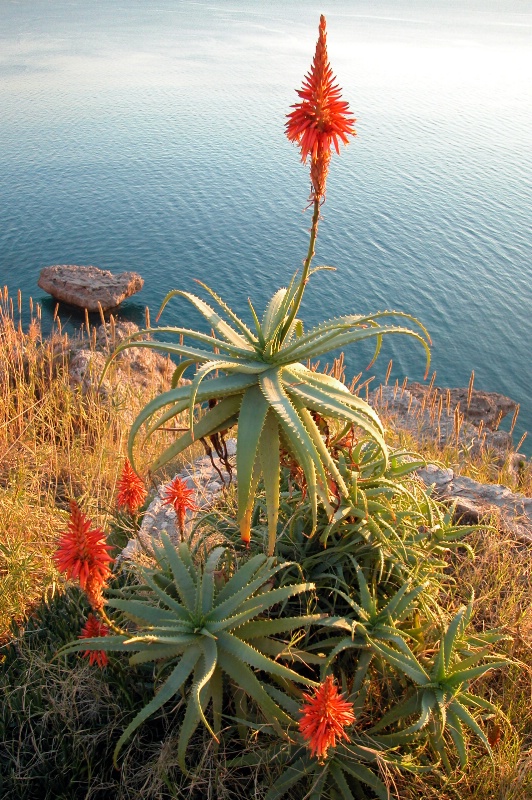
pixel 171 687
pixel 215 321
pixel 269 454
pixel 215 418
pixel 232 316
pixel 251 419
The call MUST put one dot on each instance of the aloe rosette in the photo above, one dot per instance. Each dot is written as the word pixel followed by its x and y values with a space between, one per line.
pixel 202 628
pixel 262 382
pixel 263 386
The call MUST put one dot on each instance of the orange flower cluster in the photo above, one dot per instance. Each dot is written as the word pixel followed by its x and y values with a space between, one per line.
pixel 321 119
pixel 178 495
pixel 92 629
pixel 83 554
pixel 324 718
pixel 131 490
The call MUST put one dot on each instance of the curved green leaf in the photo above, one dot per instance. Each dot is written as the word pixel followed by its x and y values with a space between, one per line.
pixel 270 460
pixel 210 423
pixel 232 316
pixel 271 384
pixel 251 420
pixel 246 680
pixel 170 687
pixel 215 321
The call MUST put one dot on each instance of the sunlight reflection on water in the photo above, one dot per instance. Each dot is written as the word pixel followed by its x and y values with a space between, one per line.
pixel 151 138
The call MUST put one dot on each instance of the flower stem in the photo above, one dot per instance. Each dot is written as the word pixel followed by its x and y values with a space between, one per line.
pixel 306 268
pixel 110 624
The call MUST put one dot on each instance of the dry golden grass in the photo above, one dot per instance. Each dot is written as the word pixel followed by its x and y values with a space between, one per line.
pixel 56 444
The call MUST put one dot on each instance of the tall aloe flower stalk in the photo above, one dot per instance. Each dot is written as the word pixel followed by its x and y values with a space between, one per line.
pixel 318 122
pixel 262 383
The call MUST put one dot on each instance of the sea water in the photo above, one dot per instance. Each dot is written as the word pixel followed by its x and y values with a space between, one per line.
pixel 149 137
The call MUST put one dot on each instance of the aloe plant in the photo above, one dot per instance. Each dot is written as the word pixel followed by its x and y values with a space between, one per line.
pixel 262 382
pixel 199 630
pixel 264 387
pixel 345 773
pixel 442 700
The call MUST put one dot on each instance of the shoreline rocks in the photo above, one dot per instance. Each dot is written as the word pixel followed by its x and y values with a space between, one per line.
pixel 89 287
pixel 433 418
pixel 474 501
pixel 475 406
pixel 134 369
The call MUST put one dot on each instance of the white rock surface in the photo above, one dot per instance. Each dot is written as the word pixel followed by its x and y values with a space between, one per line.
pixel 476 501
pixel 200 476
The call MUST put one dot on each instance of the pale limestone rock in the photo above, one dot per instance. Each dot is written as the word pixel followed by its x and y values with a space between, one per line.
pixel 426 423
pixel 201 476
pixel 474 501
pixel 133 369
pixel 488 407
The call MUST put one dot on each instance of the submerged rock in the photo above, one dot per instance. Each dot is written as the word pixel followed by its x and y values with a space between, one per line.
pixel 88 287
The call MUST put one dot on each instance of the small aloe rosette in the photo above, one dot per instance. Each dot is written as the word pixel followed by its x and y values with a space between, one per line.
pixel 262 382
pixel 200 627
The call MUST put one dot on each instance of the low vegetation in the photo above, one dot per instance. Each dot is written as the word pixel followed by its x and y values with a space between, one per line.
pixel 78 711
pixel 326 630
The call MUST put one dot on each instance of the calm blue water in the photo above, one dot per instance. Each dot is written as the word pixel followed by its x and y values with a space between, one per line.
pixel 150 137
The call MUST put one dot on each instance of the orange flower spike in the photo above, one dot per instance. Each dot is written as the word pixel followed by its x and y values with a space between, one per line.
pixel 131 490
pixel 178 495
pixel 92 629
pixel 321 119
pixel 325 716
pixel 82 551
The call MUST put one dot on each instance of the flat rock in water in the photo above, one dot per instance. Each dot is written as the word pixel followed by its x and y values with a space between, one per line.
pixel 89 287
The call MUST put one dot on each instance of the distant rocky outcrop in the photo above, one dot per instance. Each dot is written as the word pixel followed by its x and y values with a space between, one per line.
pixel 431 416
pixel 475 406
pixel 89 287
pixel 445 416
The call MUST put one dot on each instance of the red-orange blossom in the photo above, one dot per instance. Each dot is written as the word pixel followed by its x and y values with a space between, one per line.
pixel 131 490
pixel 325 716
pixel 93 628
pixel 83 554
pixel 321 119
pixel 178 495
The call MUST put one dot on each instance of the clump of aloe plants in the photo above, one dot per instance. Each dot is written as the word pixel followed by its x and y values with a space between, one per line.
pixel 263 386
pixel 329 644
